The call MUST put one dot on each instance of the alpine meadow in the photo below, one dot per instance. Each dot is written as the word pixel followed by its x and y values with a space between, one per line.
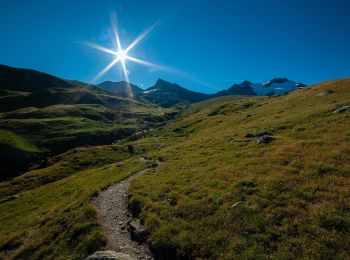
pixel 174 130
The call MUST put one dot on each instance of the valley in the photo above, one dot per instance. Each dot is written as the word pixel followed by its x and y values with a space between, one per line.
pixel 221 176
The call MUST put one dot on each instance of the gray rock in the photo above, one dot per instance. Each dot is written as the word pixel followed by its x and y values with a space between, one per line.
pixel 265 139
pixel 342 109
pixel 235 204
pixel 325 93
pixel 137 231
pixel 258 134
pixel 109 255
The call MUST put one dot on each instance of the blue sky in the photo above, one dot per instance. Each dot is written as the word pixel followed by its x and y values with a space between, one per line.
pixel 213 43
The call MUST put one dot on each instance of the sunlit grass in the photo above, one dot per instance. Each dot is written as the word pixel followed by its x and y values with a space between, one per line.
pixel 221 195
pixel 52 216
pixel 13 140
pixel 216 194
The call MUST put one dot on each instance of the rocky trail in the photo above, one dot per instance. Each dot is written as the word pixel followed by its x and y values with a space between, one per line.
pixel 115 217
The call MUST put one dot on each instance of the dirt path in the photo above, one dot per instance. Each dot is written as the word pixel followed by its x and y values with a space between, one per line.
pixel 114 216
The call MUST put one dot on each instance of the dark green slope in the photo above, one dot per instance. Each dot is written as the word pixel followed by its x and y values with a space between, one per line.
pixel 29 80
pixel 54 115
pixel 121 88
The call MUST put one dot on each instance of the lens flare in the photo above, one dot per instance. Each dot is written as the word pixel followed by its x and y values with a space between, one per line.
pixel 121 54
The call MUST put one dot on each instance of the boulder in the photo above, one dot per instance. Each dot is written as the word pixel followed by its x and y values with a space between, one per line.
pixel 109 255
pixel 137 231
pixel 258 134
pixel 342 109
pixel 325 93
pixel 265 139
pixel 131 149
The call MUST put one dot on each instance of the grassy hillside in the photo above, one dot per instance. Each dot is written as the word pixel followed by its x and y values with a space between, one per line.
pixel 42 115
pixel 54 127
pixel 28 135
pixel 216 195
pixel 50 217
pixel 56 96
pixel 220 195
pixel 17 141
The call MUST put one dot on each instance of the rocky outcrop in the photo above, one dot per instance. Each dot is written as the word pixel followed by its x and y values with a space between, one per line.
pixel 265 139
pixel 324 93
pixel 342 109
pixel 137 231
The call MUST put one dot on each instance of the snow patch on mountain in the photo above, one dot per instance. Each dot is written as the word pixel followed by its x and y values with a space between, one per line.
pixel 149 91
pixel 274 88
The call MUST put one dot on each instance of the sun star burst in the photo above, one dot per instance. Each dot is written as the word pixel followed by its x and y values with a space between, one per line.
pixel 122 55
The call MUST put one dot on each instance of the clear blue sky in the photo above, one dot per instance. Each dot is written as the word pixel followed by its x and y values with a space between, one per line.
pixel 217 43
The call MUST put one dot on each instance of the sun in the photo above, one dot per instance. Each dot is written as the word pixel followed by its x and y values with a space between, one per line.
pixel 122 55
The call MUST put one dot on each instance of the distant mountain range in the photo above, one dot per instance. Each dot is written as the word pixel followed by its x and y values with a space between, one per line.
pixel 25 87
pixel 275 86
pixel 168 94
pixel 163 93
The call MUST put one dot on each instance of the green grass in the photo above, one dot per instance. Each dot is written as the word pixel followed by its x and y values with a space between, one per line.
pixel 17 141
pixel 64 165
pixel 58 125
pixel 216 195
pixel 219 195
pixel 54 219
pixel 55 129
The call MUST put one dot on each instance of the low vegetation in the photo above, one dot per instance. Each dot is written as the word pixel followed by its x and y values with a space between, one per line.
pixel 220 195
pixel 17 141
pixel 30 135
pixel 216 194
pixel 50 216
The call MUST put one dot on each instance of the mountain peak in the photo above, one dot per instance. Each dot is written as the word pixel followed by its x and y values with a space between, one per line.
pixel 279 80
pixel 246 83
pixel 273 86
pixel 275 81
pixel 120 88
pixel 161 83
pixel 168 94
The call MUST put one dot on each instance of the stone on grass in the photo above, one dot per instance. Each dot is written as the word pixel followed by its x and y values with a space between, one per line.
pixel 235 204
pixel 325 93
pixel 137 231
pixel 258 134
pixel 342 109
pixel 265 139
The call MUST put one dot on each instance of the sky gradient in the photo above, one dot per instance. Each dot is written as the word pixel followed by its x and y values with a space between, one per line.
pixel 213 43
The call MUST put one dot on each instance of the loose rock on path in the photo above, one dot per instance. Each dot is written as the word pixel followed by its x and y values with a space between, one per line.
pixel 114 216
